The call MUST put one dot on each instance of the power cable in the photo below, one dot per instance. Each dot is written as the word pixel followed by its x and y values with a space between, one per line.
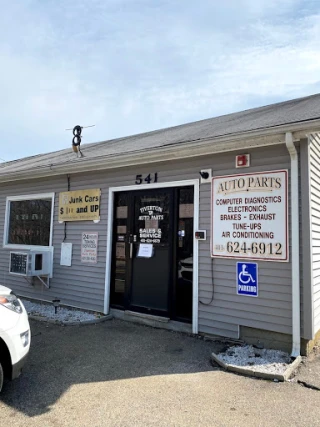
pixel 65 222
pixel 212 295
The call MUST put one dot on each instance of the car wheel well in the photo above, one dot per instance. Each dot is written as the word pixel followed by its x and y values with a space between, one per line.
pixel 5 359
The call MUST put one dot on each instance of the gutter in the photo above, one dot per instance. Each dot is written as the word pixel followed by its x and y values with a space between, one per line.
pixel 176 151
pixel 295 244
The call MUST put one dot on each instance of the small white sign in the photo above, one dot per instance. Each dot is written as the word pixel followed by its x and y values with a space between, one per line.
pixel 66 254
pixel 120 250
pixel 250 216
pixel 186 210
pixel 122 212
pixel 89 248
pixel 145 250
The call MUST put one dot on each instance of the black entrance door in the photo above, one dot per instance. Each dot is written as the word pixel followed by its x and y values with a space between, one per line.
pixel 152 252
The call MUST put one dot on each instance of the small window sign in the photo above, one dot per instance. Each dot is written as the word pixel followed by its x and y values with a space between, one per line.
pixel 145 250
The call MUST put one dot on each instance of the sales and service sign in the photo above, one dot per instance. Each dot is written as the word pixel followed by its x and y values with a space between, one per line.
pixel 82 205
pixel 89 248
pixel 250 216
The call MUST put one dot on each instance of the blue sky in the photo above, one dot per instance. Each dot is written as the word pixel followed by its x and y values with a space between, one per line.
pixel 131 66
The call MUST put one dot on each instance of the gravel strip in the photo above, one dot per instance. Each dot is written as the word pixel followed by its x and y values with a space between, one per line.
pixel 254 359
pixel 65 315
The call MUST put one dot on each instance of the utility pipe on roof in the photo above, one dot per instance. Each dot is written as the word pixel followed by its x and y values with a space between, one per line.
pixel 295 245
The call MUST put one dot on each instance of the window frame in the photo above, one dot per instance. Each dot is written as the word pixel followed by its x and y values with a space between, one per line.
pixel 24 197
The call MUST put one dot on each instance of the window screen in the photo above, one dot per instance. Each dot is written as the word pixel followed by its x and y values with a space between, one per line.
pixel 29 222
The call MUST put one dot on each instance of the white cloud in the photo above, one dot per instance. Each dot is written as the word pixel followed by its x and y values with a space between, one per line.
pixel 132 66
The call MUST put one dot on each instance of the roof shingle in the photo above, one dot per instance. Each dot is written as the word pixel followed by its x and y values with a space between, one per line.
pixel 294 111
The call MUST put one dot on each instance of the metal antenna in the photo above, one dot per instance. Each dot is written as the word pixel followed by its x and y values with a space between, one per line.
pixel 82 127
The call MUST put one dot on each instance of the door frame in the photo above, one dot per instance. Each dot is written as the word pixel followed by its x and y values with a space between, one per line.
pixel 195 287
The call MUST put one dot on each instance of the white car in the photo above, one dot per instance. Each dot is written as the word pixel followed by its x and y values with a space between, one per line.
pixel 15 335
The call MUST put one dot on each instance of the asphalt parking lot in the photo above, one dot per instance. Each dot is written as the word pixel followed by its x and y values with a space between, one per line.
pixel 121 374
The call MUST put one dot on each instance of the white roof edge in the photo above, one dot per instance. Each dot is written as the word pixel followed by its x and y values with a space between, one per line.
pixel 190 149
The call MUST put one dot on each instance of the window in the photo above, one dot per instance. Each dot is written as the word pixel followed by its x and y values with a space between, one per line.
pixel 29 220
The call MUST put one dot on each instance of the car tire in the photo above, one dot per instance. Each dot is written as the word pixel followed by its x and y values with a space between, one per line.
pixel 1 377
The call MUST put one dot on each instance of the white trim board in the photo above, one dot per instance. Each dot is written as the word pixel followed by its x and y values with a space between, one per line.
pixel 195 290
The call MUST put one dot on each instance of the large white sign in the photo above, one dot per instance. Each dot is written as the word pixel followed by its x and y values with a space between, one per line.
pixel 250 216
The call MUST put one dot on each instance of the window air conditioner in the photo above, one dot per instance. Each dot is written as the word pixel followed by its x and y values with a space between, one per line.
pixel 30 263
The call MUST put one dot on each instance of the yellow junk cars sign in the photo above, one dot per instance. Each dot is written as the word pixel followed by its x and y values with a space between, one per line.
pixel 82 205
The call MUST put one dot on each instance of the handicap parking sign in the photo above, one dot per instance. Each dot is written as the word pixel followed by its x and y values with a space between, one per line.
pixel 247 278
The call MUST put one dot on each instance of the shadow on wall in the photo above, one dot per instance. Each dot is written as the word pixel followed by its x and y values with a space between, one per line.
pixel 64 356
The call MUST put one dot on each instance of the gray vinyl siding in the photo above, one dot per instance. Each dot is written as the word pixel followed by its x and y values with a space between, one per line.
pixel 314 154
pixel 83 286
pixel 272 309
pixel 78 285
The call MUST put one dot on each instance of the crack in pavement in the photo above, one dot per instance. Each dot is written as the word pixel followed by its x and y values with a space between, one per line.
pixel 308 385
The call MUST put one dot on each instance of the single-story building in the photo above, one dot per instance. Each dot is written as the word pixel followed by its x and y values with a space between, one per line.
pixel 212 227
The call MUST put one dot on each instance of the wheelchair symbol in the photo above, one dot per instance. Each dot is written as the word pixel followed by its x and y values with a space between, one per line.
pixel 245 277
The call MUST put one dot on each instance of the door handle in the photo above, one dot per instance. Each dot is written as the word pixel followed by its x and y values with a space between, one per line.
pixel 131 249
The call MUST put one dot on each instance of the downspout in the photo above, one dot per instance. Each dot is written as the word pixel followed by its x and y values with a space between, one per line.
pixel 295 245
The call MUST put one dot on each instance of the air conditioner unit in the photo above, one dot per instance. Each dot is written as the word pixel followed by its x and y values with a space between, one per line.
pixel 31 263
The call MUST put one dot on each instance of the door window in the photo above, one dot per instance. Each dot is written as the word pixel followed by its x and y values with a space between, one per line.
pixel 151 276
pixel 121 224
pixel 152 218
pixel 185 254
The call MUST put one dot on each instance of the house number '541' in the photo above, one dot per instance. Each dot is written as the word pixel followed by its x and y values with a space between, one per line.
pixel 150 178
